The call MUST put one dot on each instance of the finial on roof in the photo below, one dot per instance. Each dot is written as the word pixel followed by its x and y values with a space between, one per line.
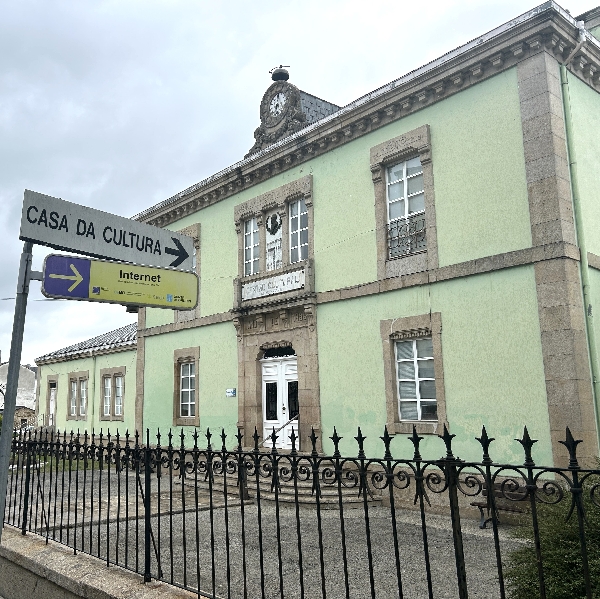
pixel 280 73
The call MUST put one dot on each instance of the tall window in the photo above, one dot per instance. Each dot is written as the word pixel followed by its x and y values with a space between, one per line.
pixel 78 395
pixel 298 231
pixel 187 399
pixel 113 391
pixel 251 247
pixel 118 395
pixel 405 208
pixel 416 380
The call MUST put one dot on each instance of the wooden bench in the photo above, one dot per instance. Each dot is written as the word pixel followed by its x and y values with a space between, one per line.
pixel 505 502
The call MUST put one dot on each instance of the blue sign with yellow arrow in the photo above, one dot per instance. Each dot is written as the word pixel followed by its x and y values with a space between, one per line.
pixel 66 276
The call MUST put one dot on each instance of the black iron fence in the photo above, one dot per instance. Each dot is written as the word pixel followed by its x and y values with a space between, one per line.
pixel 247 523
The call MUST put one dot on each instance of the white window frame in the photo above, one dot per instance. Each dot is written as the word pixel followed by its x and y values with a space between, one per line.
pixel 405 218
pixel 416 379
pixel 119 394
pixel 77 395
pixel 187 384
pixel 296 228
pixel 108 394
pixel 252 245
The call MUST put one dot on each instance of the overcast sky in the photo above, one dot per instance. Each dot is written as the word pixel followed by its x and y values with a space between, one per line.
pixel 119 104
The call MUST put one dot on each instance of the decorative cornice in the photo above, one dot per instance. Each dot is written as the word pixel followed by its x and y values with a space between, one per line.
pixel 546 28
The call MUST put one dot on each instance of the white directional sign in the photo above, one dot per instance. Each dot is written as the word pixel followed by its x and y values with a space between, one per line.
pixel 66 226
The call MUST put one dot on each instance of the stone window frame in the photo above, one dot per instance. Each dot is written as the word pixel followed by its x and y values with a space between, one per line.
pixel 82 375
pixel 409 145
pixel 111 373
pixel 412 327
pixel 277 200
pixel 192 231
pixel 186 356
pixel 53 378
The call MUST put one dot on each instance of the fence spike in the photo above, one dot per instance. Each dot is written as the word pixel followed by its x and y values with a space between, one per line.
pixel 386 441
pixel 336 441
pixel 313 439
pixel 416 441
pixel 485 442
pixel 447 439
pixel 571 444
pixel 360 439
pixel 527 443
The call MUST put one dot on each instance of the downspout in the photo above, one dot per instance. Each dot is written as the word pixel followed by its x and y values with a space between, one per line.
pixel 579 230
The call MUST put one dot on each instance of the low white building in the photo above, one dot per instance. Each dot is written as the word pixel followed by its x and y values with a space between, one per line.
pixel 26 394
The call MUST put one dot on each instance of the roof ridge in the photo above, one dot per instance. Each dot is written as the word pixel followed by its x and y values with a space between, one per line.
pixel 125 335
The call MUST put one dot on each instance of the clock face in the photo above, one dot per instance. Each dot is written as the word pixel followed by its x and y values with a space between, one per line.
pixel 277 103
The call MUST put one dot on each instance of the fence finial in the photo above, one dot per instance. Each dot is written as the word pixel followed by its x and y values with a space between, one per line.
pixel 293 440
pixel 336 442
pixel 447 439
pixel 485 442
pixel 360 439
pixel 527 443
pixel 416 441
pixel 313 440
pixel 386 441
pixel 571 444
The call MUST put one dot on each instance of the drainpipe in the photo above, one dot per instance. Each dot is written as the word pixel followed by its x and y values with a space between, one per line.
pixel 579 230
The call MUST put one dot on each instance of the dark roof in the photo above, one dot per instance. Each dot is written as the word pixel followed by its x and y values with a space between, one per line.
pixel 314 108
pixel 124 337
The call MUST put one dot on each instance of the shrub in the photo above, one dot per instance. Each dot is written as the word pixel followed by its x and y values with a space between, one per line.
pixel 561 550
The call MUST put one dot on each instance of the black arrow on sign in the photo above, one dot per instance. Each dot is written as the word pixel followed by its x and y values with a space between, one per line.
pixel 179 252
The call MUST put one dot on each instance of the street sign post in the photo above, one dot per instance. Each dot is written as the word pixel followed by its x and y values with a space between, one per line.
pixel 86 279
pixel 62 225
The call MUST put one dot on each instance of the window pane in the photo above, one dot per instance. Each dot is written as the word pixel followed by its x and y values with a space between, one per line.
pixel 185 369
pixel 408 410
pixel 304 237
pixel 248 254
pixel 415 184
pixel 185 397
pixel 304 252
pixel 304 221
pixel 294 208
pixel 416 203
pixel 426 370
pixel 424 348
pixel 413 166
pixel 408 390
pixel 271 401
pixel 428 410
pixel 248 268
pixel 397 210
pixel 192 409
pixel 294 255
pixel 395 191
pixel 427 389
pixel 404 350
pixel 248 226
pixel 192 368
pixel 255 238
pixel 406 370
pixel 302 205
pixel 294 242
pixel 255 265
pixel 184 410
pixel 396 172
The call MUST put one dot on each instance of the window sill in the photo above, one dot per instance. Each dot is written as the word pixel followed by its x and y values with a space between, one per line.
pixel 424 427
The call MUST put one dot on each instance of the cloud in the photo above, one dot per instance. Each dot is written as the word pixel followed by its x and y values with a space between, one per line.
pixel 119 104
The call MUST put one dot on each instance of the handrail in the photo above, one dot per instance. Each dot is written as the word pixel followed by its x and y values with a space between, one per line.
pixel 280 428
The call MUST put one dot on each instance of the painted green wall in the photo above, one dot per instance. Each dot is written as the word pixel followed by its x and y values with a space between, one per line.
pixel 93 365
pixel 217 372
pixel 492 354
pixel 594 277
pixel 585 111
pixel 480 187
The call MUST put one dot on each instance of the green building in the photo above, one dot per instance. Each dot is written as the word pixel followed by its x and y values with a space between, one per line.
pixel 426 255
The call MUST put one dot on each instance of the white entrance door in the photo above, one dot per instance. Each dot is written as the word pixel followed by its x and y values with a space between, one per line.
pixel 280 400
pixel 52 404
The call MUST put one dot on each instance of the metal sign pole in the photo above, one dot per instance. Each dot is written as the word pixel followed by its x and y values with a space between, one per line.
pixel 12 381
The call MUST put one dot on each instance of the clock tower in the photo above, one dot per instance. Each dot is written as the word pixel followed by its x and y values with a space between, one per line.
pixel 285 109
